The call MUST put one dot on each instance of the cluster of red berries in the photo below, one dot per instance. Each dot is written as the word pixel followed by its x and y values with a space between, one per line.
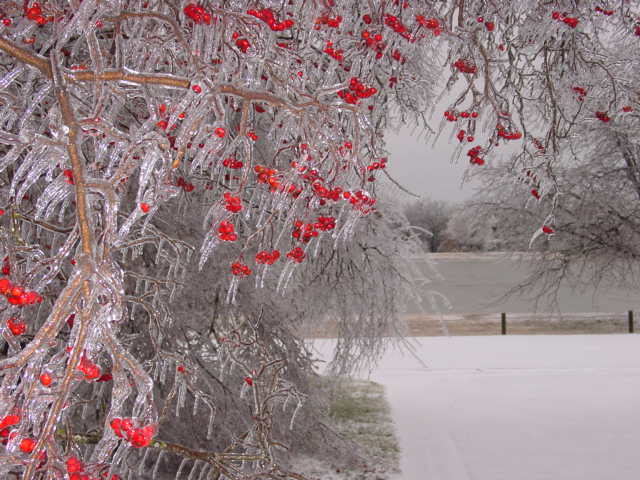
pixel 186 186
pixel 137 437
pixel 490 26
pixel 453 116
pixel 328 21
pixel 464 66
pixel 267 175
pixel 582 92
pixel 325 223
pixel 267 258
pixel 35 13
pixel 69 174
pixel 5 426
pixel 603 117
pixel 374 42
pixel 145 207
pixel 502 132
pixel 338 54
pixel 360 201
pixel 359 91
pixel 267 16
pixel 227 231
pixel 296 254
pixel 571 21
pixel 17 295
pixel 243 44
pixel 461 134
pixel 429 23
pixel 16 326
pixel 233 204
pixel 377 165
pixel 75 467
pixel 605 12
pixel 240 269
pixel 197 13
pixel 397 56
pixel 231 162
pixel 91 370
pixel 304 232
pixel 394 22
pixel 252 136
pixel 474 156
pixel 26 445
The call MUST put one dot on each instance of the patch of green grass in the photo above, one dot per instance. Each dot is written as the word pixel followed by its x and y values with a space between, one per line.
pixel 361 413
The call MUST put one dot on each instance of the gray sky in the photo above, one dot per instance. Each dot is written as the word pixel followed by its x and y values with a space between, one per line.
pixel 425 169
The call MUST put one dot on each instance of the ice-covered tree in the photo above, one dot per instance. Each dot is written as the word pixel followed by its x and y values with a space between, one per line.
pixel 570 189
pixel 431 218
pixel 187 186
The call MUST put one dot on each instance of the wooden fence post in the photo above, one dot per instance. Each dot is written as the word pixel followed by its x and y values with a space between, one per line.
pixel 630 321
pixel 503 321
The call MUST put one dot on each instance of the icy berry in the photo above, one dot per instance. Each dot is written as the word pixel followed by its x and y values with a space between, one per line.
pixel 45 379
pixel 27 445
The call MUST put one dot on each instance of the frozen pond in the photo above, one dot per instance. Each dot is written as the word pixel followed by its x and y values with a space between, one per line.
pixel 519 407
pixel 474 282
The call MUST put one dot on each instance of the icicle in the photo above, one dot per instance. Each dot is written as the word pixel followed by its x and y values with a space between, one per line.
pixel 233 288
pixel 143 461
pixel 182 397
pixel 212 417
pixel 182 465
pixel 207 248
pixel 317 249
pixel 11 76
pixel 34 103
pixel 205 472
pixel 195 405
pixel 294 414
pixel 194 469
pixel 154 473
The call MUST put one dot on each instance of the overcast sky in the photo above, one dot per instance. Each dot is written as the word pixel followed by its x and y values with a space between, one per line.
pixel 425 169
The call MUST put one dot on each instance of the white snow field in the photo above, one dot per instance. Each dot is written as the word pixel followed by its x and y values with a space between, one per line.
pixel 515 407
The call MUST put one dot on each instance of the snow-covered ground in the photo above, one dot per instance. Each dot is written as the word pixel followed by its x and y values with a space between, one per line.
pixel 516 408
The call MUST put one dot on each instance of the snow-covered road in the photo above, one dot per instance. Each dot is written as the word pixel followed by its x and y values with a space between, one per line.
pixel 517 407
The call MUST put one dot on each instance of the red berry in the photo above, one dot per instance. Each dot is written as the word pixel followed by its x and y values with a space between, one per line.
pixel 45 379
pixel 220 132
pixel 74 465
pixel 15 326
pixel 145 207
pixel 196 88
pixel 27 445
pixel 5 285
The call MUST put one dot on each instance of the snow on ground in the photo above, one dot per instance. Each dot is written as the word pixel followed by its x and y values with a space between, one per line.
pixel 519 407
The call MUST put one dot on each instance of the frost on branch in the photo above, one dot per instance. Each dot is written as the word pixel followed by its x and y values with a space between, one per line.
pixel 182 185
pixel 186 187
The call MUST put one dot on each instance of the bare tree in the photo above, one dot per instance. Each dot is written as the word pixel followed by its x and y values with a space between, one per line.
pixel 431 217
